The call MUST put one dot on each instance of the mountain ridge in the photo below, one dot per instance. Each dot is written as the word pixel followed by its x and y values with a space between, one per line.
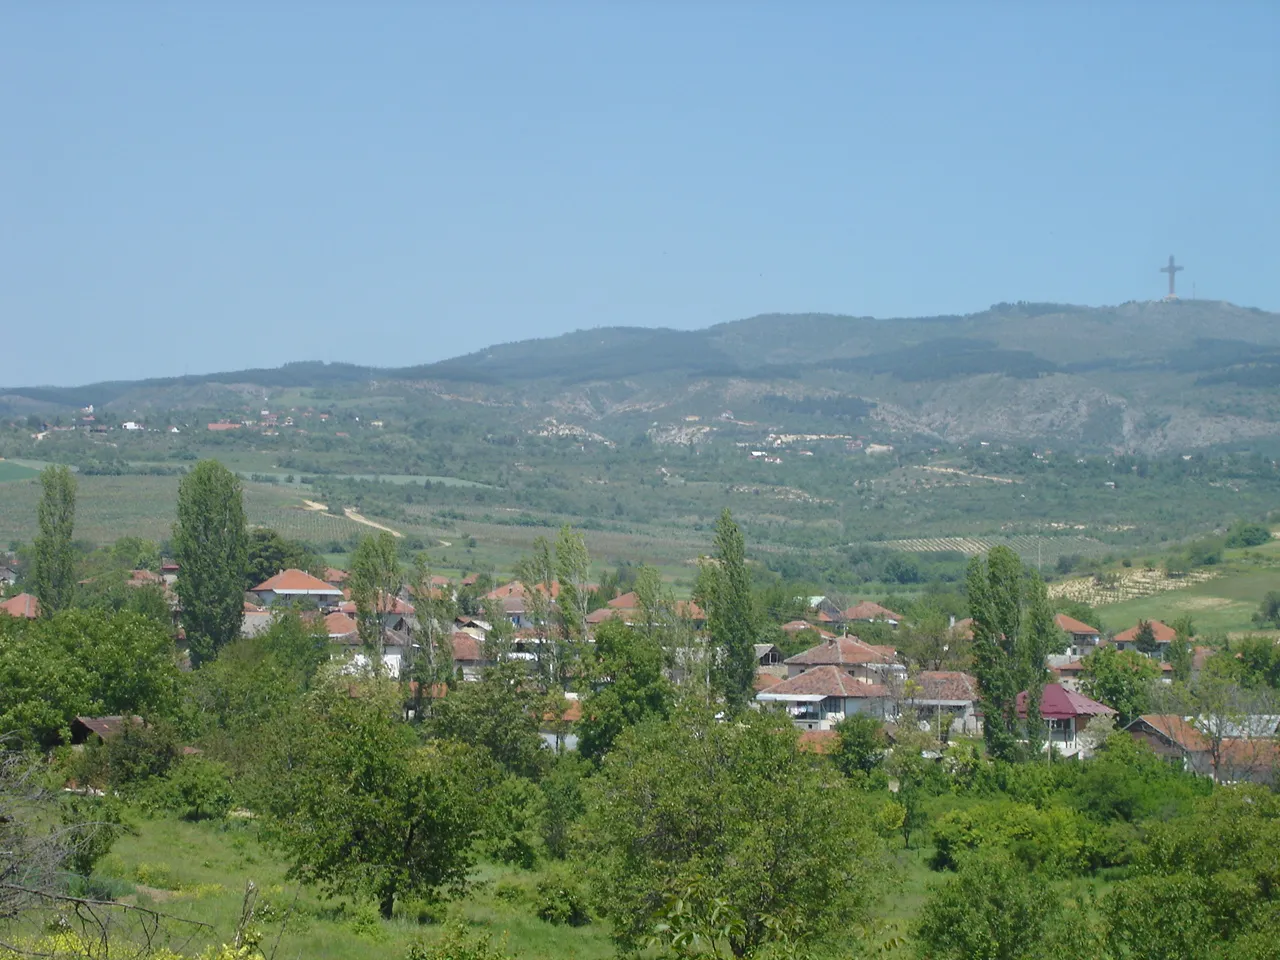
pixel 1144 375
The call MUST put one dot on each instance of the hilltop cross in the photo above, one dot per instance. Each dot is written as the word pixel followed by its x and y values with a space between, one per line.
pixel 1172 270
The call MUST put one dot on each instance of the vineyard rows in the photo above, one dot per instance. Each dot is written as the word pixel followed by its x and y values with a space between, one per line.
pixel 1046 549
pixel 1122 586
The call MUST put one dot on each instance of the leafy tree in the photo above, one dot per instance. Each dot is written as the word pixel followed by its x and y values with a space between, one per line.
pixel 374 583
pixel 53 575
pixel 913 771
pixel 1258 662
pixel 735 811
pixel 1121 679
pixel 499 713
pixel 83 662
pixel 564 806
pixel 360 808
pixel 135 553
pixel 1205 883
pixel 267 553
pixel 991 910
pixel 210 547
pixel 860 744
pixel 1126 781
pixel 537 574
pixel 1013 630
pixel 630 687
pixel 731 618
pixel 199 788
pixel 244 698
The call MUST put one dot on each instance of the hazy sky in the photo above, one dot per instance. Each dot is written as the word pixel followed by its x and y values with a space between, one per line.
pixel 189 187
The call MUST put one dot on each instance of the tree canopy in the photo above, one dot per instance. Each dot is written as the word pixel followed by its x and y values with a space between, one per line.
pixel 210 546
pixel 732 812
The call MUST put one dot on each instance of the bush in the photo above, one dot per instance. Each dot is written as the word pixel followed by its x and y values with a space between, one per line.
pixel 456 944
pixel 1055 839
pixel 558 899
pixel 196 789
pixel 1244 534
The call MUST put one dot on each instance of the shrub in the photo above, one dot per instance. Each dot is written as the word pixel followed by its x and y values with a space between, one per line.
pixel 1244 534
pixel 558 899
pixel 1055 839
pixel 456 944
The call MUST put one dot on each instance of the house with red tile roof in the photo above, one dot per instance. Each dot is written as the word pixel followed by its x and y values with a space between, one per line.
pixel 1242 758
pixel 865 661
pixel 1164 634
pixel 23 605
pixel 820 698
pixel 295 584
pixel 1084 639
pixel 341 628
pixel 868 612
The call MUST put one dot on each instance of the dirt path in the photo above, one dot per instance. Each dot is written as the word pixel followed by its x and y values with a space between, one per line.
pixel 974 476
pixel 352 515
pixel 313 505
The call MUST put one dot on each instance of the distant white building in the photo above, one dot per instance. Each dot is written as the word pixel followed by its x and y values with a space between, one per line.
pixel 131 425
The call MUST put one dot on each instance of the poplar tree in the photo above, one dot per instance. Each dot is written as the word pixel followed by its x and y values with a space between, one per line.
pixel 731 618
pixel 1013 631
pixel 374 582
pixel 211 548
pixel 53 572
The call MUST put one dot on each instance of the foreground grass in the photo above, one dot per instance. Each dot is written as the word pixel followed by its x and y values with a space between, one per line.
pixel 199 871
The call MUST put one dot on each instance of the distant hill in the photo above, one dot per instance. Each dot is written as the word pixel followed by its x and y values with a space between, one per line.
pixel 1141 376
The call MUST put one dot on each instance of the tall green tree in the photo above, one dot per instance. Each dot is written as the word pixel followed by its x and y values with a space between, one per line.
pixel 629 687
pixel 732 623
pixel 537 574
pixel 573 567
pixel 53 575
pixel 435 609
pixel 1013 630
pixel 360 807
pixel 210 546
pixel 374 582
pixel 735 814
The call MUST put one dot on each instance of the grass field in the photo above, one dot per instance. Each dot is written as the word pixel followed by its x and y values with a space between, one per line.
pixel 199 871
pixel 9 470
pixel 1224 604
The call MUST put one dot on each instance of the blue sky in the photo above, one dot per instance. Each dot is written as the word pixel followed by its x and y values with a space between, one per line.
pixel 194 187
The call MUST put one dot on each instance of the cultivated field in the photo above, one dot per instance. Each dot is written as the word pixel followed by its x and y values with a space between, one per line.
pixel 1030 548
